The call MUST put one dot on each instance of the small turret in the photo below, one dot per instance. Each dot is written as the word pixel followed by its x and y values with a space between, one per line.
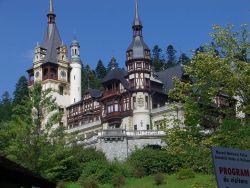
pixel 76 72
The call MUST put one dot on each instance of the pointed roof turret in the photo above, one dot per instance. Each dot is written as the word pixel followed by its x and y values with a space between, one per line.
pixel 137 20
pixel 52 39
pixel 137 46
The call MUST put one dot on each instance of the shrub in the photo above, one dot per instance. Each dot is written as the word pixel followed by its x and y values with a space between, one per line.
pixel 61 185
pixel 159 178
pixel 118 181
pixel 89 182
pixel 139 172
pixel 104 171
pixel 185 174
pixel 154 161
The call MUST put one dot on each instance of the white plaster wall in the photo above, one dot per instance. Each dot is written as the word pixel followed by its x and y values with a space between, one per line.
pixel 75 83
pixel 141 114
pixel 127 123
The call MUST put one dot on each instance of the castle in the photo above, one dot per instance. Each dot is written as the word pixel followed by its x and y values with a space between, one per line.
pixel 128 112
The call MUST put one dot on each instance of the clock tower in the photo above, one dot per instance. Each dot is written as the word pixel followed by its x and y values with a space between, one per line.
pixel 51 64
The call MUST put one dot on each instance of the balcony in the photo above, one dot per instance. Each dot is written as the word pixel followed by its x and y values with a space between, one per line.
pixel 111 93
pixel 113 118
pixel 84 126
pixel 112 133
pixel 145 133
pixel 51 77
pixel 121 133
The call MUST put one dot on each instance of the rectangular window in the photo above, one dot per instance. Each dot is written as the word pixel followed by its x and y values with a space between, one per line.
pixel 61 90
pixel 134 101
pixel 135 127
pixel 116 107
pixel 139 65
pixel 147 126
pixel 132 83
pixel 146 100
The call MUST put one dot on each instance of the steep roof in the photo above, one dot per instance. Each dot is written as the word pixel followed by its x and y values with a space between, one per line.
pixel 138 46
pixel 52 39
pixel 167 76
pixel 94 93
pixel 116 74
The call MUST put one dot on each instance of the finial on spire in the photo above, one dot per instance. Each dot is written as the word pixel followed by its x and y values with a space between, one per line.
pixel 137 21
pixel 51 15
pixel 136 10
pixel 51 6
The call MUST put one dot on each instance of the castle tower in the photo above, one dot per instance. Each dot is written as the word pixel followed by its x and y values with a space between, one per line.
pixel 51 64
pixel 75 74
pixel 138 62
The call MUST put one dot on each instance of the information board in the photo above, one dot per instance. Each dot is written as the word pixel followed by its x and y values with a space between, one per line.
pixel 232 167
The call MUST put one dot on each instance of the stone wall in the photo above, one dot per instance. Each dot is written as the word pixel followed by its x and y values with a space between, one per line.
pixel 121 149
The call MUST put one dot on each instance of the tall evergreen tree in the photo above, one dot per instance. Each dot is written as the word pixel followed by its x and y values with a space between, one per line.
pixel 100 70
pixel 184 59
pixel 22 91
pixel 157 58
pixel 171 56
pixel 5 107
pixel 89 79
pixel 112 63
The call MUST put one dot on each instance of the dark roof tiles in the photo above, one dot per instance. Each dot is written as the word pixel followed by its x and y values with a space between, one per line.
pixel 167 76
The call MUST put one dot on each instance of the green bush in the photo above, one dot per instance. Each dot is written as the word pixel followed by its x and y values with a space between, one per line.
pixel 89 182
pixel 139 172
pixel 159 178
pixel 118 181
pixel 104 171
pixel 154 161
pixel 185 174
pixel 62 185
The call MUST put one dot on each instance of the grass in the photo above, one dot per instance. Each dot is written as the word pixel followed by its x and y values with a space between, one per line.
pixel 200 181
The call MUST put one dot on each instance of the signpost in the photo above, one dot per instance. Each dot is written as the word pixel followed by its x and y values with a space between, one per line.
pixel 232 167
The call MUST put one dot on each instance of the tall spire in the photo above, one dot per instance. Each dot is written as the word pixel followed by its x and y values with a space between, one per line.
pixel 136 10
pixel 51 6
pixel 137 21
pixel 51 15
pixel 137 46
pixel 52 38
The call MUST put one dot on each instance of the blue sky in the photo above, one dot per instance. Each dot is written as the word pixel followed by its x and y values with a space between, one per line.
pixel 103 27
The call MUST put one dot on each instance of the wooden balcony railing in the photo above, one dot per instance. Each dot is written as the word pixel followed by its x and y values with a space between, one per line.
pixel 110 93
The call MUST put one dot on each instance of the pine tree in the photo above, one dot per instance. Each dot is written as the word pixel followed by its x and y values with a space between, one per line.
pixel 171 56
pixel 89 79
pixel 100 70
pixel 157 59
pixel 112 63
pixel 22 91
pixel 5 107
pixel 184 59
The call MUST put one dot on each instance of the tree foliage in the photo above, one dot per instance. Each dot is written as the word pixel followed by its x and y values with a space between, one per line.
pixel 112 64
pixel 219 73
pixel 184 59
pixel 100 70
pixel 157 59
pixel 171 56
pixel 90 79
pixel 5 107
